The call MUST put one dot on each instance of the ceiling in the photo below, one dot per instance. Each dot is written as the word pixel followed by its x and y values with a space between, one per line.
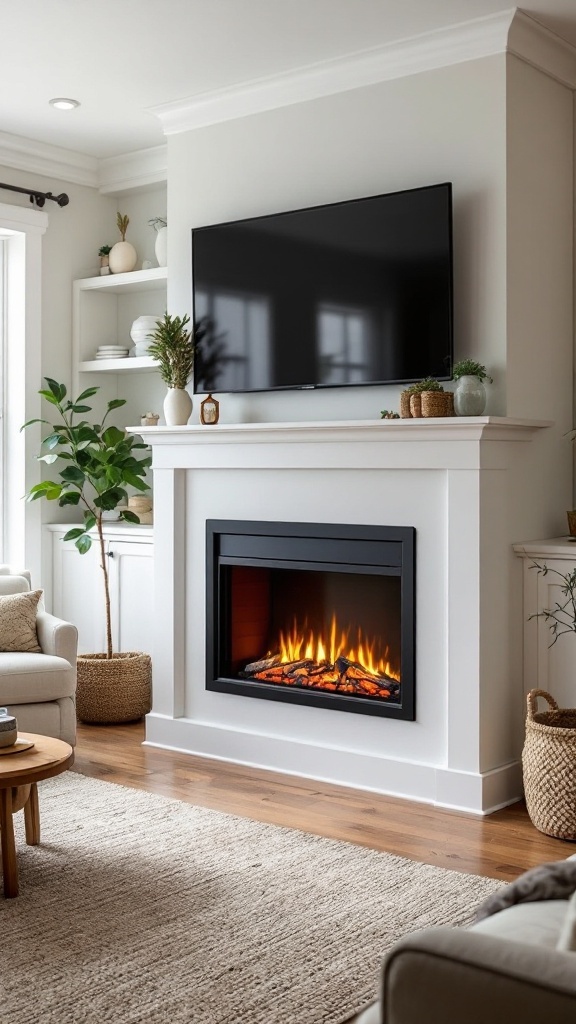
pixel 120 58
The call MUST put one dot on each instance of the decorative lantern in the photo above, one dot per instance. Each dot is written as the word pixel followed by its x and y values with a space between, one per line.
pixel 209 411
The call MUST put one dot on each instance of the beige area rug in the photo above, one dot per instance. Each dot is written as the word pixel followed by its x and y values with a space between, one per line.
pixel 136 908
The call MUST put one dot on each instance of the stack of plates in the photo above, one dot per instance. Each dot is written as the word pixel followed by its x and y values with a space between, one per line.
pixel 111 352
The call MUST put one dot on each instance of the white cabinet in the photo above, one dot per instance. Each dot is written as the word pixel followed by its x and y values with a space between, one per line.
pixel 547 666
pixel 78 587
pixel 104 309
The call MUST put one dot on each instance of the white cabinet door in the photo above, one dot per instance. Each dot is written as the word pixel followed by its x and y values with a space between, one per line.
pixel 132 595
pixel 78 592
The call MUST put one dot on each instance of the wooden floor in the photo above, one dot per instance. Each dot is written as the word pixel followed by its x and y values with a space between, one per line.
pixel 501 845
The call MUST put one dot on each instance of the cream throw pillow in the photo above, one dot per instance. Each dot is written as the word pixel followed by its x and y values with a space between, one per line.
pixel 18 622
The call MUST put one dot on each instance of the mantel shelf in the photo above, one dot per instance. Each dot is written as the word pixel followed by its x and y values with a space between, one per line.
pixel 465 428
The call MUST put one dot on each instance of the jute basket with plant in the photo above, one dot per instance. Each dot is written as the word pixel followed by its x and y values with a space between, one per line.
pixel 411 399
pixel 99 464
pixel 549 752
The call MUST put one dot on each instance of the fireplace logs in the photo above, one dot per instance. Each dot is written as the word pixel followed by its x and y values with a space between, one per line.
pixel 344 676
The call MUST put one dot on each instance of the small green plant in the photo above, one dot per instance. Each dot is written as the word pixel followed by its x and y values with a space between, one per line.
pixel 428 384
pixel 158 222
pixel 99 464
pixel 562 616
pixel 104 250
pixel 173 348
pixel 470 368
pixel 122 221
pixel 387 414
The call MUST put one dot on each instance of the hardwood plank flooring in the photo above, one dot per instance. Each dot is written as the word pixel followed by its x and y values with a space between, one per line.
pixel 501 845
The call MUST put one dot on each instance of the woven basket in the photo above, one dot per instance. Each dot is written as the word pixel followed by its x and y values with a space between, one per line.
pixel 437 403
pixel 416 405
pixel 117 689
pixel 405 413
pixel 549 767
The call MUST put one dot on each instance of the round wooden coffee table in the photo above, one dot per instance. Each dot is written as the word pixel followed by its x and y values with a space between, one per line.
pixel 19 774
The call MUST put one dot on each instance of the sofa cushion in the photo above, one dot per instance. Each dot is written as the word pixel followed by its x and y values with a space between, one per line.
pixel 567 939
pixel 32 678
pixel 18 622
pixel 537 924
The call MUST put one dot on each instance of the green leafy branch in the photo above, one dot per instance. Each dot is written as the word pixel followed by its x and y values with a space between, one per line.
pixel 561 618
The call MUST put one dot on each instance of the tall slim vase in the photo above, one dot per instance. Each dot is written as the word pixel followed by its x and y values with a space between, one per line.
pixel 177 407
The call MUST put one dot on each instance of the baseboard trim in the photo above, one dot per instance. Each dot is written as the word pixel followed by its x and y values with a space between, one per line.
pixel 425 783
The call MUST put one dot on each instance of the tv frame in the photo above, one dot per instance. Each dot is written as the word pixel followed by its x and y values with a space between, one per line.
pixel 322 206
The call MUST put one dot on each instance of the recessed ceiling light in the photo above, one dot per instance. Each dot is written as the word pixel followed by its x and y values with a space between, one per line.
pixel 63 103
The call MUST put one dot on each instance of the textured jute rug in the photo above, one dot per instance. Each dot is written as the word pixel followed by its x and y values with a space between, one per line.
pixel 136 908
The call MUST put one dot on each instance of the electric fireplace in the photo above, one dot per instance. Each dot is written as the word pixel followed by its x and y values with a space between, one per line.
pixel 314 614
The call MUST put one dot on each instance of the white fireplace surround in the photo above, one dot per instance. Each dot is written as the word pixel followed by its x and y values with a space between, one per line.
pixel 463 484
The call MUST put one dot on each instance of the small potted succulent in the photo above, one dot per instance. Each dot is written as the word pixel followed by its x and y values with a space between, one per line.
pixel 470 393
pixel 104 252
pixel 415 394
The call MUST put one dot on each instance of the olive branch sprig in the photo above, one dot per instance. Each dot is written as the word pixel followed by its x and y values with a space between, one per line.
pixel 561 618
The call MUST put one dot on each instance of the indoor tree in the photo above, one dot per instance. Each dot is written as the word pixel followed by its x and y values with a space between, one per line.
pixel 99 465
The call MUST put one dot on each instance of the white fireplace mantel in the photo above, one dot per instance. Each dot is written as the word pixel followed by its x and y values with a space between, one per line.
pixel 466 486
pixel 470 428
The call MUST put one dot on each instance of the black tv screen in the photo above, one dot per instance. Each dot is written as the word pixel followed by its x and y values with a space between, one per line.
pixel 352 293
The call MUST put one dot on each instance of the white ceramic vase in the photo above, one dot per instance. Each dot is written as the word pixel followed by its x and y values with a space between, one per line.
pixel 142 333
pixel 122 258
pixel 177 407
pixel 161 247
pixel 469 396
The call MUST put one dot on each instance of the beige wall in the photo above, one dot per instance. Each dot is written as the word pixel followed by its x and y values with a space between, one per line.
pixel 445 125
pixel 539 278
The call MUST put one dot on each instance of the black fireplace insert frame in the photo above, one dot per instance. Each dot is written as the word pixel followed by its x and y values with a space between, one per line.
pixel 380 550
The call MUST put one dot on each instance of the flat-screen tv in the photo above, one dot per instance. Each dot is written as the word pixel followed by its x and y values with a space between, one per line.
pixel 352 293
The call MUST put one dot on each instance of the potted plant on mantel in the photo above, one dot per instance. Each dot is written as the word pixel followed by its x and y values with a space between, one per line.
pixel 99 464
pixel 173 347
pixel 425 398
pixel 470 393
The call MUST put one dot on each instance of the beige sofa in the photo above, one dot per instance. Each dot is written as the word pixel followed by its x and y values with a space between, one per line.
pixel 39 689
pixel 510 967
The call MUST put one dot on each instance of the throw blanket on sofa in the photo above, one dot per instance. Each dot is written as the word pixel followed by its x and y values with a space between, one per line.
pixel 553 881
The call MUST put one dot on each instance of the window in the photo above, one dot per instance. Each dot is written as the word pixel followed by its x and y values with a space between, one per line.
pixel 21 233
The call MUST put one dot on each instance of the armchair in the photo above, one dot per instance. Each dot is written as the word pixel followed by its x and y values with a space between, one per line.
pixel 39 689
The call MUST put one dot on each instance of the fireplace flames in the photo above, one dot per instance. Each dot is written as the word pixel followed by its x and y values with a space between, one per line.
pixel 328 662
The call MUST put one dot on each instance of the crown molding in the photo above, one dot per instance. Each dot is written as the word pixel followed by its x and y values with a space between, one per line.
pixel 467 41
pixel 50 161
pixel 134 172
pixel 537 45
pixel 509 31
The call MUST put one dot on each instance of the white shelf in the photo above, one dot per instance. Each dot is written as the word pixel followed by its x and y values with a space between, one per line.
pixel 137 280
pixel 126 365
